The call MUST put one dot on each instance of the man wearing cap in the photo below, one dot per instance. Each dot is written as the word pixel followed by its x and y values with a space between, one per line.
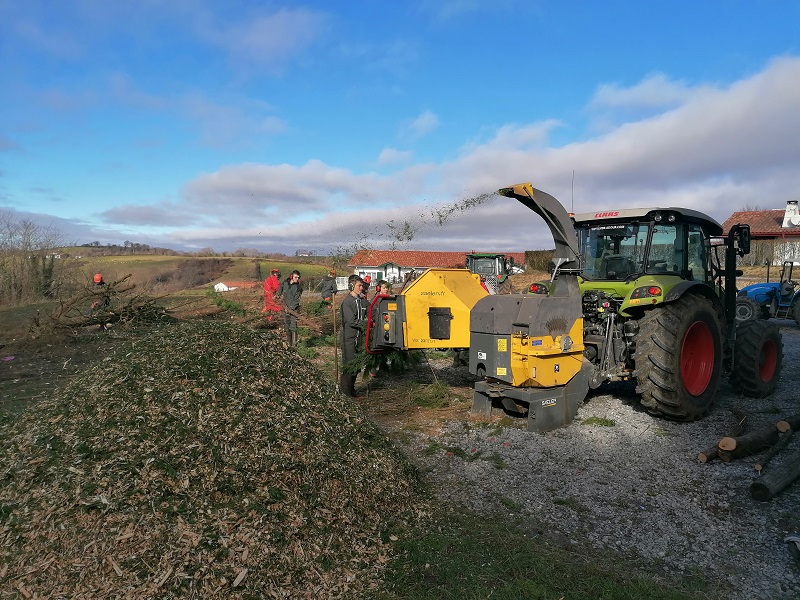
pixel 366 281
pixel 328 287
pixel 100 286
pixel 290 293
pixel 271 286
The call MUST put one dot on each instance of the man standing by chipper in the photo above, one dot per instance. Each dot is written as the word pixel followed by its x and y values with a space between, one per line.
pixel 290 292
pixel 353 312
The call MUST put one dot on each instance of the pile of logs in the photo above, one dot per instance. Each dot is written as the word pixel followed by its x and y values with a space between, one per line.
pixel 770 440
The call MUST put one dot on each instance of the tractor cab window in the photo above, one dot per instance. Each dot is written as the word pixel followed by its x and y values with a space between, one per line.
pixel 666 250
pixel 697 253
pixel 483 266
pixel 612 252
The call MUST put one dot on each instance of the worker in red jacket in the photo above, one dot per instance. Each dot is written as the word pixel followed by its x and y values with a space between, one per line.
pixel 271 286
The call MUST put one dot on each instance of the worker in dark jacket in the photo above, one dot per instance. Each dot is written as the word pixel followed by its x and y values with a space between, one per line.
pixel 353 311
pixel 328 287
pixel 290 292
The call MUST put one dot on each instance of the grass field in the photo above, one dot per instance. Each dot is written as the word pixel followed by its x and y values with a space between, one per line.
pixel 146 268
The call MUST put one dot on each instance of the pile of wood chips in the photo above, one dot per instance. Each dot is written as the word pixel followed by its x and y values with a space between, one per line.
pixel 203 460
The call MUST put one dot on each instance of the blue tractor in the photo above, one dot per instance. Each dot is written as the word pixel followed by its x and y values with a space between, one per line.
pixel 770 300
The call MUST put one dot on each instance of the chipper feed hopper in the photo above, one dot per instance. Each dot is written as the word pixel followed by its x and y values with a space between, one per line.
pixel 526 348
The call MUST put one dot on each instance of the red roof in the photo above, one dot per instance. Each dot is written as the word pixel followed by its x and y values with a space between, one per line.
pixel 419 258
pixel 763 223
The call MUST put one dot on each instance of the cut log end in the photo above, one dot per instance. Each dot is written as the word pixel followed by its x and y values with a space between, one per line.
pixel 707 455
pixel 760 492
pixel 727 443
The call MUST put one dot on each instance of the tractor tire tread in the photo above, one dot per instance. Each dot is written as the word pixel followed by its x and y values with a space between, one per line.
pixel 751 338
pixel 657 357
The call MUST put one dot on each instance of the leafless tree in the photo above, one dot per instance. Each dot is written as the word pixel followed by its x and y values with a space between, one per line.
pixel 30 266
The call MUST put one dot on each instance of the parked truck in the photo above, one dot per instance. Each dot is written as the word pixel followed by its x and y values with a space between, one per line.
pixel 646 295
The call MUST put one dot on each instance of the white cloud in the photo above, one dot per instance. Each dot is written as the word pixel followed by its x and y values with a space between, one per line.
pixel 58 44
pixel 267 40
pixel 281 192
pixel 273 126
pixel 653 91
pixel 391 156
pixel 447 10
pixel 422 125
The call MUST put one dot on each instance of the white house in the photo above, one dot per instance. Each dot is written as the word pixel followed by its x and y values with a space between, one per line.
pixel 393 265
pixel 221 287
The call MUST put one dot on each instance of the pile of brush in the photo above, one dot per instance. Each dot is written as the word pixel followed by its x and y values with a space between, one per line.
pixel 203 459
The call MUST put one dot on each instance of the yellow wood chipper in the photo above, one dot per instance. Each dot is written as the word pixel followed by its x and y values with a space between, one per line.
pixel 526 348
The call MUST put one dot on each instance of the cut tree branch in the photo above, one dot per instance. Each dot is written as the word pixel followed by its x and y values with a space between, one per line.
pixel 766 486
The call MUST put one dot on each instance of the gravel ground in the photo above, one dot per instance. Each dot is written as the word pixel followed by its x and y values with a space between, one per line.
pixel 636 487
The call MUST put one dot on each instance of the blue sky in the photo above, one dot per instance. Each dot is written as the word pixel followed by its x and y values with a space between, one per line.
pixel 321 125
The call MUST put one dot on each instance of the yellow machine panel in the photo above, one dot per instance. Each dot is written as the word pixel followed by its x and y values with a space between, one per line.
pixel 546 361
pixel 437 308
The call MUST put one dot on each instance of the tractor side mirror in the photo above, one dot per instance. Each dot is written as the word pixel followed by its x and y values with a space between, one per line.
pixel 744 240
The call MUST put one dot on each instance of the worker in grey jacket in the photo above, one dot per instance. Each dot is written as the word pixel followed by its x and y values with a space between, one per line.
pixel 290 292
pixel 353 312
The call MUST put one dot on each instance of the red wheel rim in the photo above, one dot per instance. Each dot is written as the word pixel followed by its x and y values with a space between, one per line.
pixel 697 358
pixel 768 361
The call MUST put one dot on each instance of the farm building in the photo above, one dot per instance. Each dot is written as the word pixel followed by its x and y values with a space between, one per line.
pixel 775 233
pixel 233 285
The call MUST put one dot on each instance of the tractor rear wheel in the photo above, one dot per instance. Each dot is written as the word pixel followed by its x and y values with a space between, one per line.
pixel 796 312
pixel 678 359
pixel 757 358
pixel 747 309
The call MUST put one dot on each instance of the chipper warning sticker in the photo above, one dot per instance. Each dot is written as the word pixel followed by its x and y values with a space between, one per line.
pixel 502 345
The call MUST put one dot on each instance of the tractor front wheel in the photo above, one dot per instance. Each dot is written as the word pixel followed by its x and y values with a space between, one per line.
pixel 678 359
pixel 757 358
pixel 747 309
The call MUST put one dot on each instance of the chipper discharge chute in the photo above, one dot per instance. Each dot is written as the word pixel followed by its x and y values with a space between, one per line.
pixel 528 348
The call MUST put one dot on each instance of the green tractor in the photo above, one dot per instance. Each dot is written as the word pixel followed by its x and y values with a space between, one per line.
pixel 658 293
pixel 493 269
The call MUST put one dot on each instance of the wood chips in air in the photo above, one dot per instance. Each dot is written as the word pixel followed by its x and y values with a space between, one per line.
pixel 202 460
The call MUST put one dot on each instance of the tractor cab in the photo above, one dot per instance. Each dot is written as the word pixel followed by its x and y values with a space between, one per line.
pixel 493 269
pixel 787 285
pixel 624 245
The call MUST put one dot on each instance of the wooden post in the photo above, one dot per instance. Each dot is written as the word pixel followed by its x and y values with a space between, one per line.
pixel 335 343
